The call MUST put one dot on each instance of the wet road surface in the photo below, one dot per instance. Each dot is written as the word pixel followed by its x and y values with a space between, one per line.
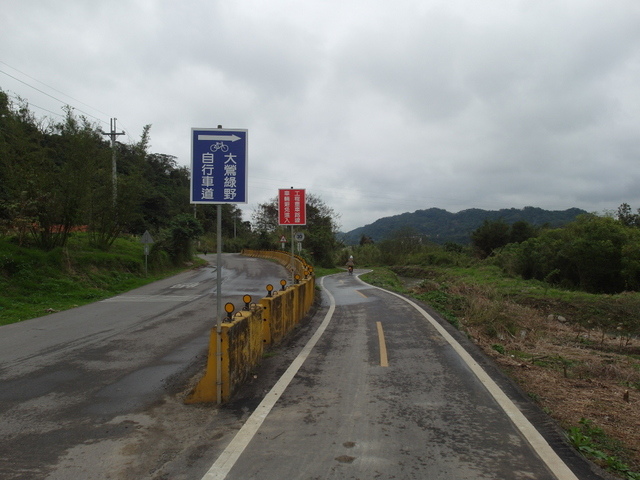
pixel 365 387
pixel 72 383
pixel 381 394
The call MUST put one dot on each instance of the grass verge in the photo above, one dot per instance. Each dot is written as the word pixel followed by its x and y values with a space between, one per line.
pixel 35 283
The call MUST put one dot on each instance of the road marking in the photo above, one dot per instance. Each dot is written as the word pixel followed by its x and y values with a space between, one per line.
pixel 185 285
pixel 537 441
pixel 384 362
pixel 152 298
pixel 230 455
pixel 362 294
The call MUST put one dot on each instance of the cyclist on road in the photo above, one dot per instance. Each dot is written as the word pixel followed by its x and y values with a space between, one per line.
pixel 350 264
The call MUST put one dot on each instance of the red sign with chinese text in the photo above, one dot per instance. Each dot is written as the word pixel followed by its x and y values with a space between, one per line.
pixel 292 207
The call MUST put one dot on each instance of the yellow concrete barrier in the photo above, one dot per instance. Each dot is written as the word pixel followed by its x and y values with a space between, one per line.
pixel 299 266
pixel 245 337
pixel 241 347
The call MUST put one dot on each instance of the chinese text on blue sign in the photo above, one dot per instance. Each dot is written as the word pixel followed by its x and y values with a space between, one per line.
pixel 218 165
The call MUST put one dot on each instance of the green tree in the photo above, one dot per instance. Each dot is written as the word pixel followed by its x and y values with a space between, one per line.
pixel 593 248
pixel 402 243
pixel 37 168
pixel 20 143
pixel 365 240
pixel 236 233
pixel 490 236
pixel 320 231
pixel 183 230
pixel 55 176
pixel 521 231
pixel 165 192
pixel 627 217
pixel 595 254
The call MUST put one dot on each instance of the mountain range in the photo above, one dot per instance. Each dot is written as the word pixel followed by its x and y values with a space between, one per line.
pixel 441 226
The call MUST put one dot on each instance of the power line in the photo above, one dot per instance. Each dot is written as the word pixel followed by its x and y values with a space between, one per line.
pixel 54 89
pixel 126 132
pixel 131 139
pixel 17 97
pixel 51 96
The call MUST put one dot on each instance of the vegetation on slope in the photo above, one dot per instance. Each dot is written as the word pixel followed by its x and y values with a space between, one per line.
pixel 35 283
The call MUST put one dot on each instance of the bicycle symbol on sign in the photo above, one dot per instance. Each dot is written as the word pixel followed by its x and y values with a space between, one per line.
pixel 219 146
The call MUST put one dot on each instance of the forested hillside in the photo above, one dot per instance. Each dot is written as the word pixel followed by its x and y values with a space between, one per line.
pixel 61 176
pixel 58 177
pixel 441 226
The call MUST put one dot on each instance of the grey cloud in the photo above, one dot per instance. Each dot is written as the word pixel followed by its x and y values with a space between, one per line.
pixel 378 107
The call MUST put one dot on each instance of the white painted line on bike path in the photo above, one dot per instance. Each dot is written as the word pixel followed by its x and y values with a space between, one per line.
pixel 230 455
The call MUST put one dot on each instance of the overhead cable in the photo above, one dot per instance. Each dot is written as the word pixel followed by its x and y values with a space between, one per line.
pixel 51 96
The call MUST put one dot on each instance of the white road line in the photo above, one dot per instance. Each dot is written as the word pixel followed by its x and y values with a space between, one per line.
pixel 152 298
pixel 537 441
pixel 185 285
pixel 230 455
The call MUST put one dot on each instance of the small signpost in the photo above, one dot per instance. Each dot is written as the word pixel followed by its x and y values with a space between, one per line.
pixel 146 240
pixel 218 175
pixel 292 210
pixel 299 236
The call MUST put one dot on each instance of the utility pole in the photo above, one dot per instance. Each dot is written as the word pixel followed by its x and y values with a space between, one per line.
pixel 114 173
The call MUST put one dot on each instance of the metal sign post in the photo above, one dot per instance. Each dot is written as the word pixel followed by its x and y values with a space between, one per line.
pixel 299 238
pixel 219 304
pixel 293 273
pixel 146 241
pixel 292 210
pixel 218 175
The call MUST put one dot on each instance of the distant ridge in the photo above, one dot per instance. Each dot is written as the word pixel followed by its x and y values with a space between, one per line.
pixel 441 226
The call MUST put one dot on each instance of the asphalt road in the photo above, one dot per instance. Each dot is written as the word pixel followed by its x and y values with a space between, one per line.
pixel 365 387
pixel 70 382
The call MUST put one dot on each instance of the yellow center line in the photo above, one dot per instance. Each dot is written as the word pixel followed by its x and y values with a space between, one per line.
pixel 384 362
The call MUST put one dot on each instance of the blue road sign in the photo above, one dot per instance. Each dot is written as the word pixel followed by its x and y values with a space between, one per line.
pixel 218 165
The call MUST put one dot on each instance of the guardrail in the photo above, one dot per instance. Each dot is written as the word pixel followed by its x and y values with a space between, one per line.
pixel 299 267
pixel 246 333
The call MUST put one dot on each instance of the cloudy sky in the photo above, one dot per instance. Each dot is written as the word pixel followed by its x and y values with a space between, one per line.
pixel 377 107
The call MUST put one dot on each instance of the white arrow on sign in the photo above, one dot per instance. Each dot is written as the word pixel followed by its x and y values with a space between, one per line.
pixel 220 138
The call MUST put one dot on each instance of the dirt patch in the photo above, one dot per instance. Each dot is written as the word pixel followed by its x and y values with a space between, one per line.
pixel 574 384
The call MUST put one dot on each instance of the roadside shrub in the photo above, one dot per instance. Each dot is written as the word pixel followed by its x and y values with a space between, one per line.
pixel 594 254
pixel 366 255
pixel 437 256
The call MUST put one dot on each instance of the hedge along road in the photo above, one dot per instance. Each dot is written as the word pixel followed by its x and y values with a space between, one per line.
pixel 93 392
pixel 384 390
